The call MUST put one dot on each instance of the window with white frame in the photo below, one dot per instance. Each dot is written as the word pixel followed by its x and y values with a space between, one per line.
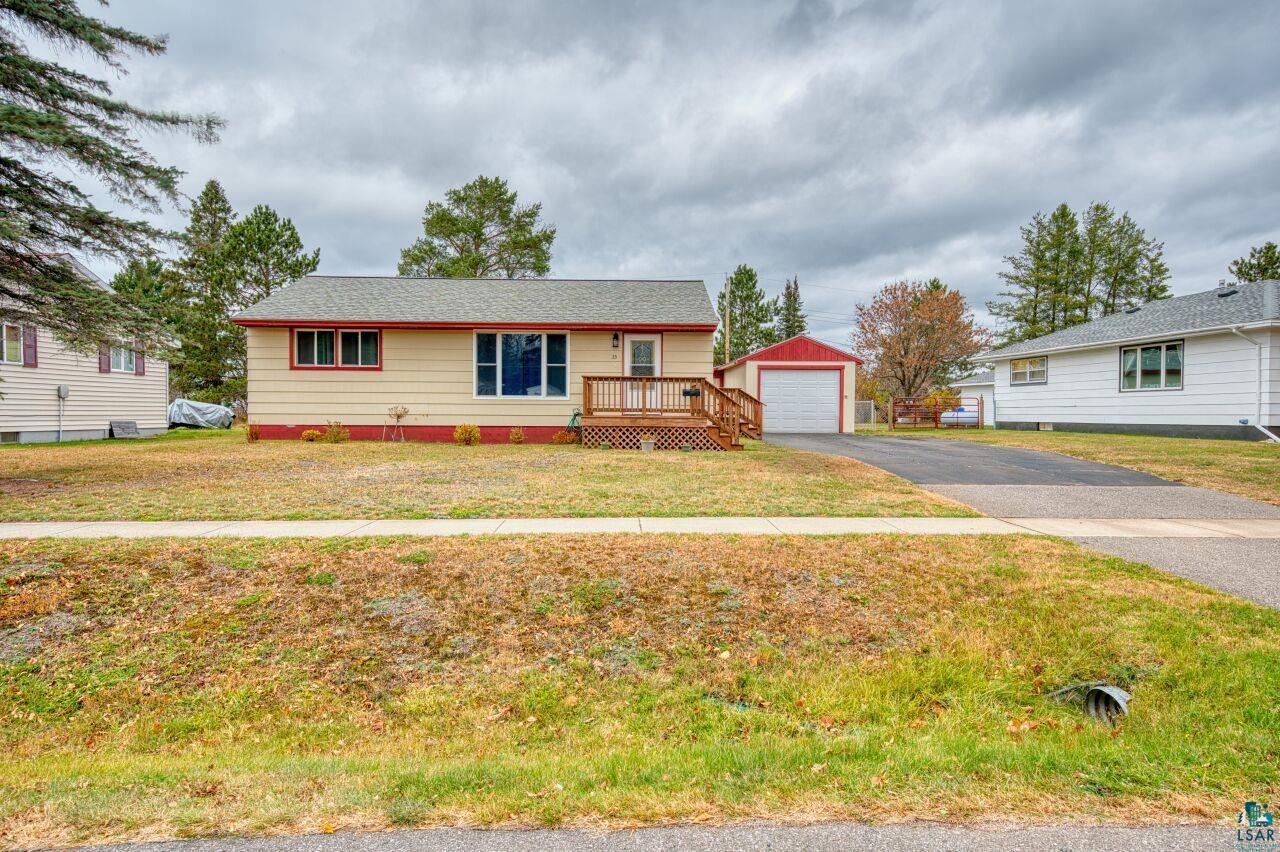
pixel 313 348
pixel 123 360
pixel 1029 371
pixel 10 344
pixel 1155 366
pixel 358 348
pixel 522 364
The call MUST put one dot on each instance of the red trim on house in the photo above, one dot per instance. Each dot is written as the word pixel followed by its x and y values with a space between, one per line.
pixel 529 326
pixel 437 434
pixel 802 347
pixel 337 349
pixel 840 367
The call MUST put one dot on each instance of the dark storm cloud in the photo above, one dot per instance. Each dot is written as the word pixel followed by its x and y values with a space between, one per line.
pixel 851 143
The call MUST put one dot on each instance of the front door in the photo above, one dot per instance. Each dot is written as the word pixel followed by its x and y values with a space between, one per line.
pixel 643 357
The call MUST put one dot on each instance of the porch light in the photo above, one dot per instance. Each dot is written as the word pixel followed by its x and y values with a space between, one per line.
pixel 615 340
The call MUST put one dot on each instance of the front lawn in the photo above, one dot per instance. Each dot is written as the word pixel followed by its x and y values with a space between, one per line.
pixel 179 687
pixel 1248 468
pixel 218 476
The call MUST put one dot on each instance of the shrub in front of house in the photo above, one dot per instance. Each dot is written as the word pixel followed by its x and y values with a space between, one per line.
pixel 334 433
pixel 517 435
pixel 253 433
pixel 467 435
pixel 565 437
pixel 311 435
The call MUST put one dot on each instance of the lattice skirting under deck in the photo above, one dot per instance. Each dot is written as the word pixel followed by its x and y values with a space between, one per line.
pixel 665 437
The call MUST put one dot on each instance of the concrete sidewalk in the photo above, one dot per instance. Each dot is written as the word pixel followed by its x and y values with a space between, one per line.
pixel 1241 528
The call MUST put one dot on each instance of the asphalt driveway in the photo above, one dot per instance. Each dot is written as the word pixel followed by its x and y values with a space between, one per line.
pixel 935 462
pixel 1008 482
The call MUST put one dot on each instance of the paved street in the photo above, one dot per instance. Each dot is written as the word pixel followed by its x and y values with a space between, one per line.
pixel 828 837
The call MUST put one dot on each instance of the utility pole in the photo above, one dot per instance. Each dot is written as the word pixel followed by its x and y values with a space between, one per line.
pixel 727 359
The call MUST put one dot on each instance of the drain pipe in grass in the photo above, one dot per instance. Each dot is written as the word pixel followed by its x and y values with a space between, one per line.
pixel 1271 436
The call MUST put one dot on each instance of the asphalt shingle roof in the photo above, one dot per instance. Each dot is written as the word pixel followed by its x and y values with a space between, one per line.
pixel 1250 303
pixel 330 298
pixel 983 377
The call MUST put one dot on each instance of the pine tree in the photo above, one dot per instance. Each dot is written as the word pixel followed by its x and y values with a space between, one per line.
pixel 207 356
pixel 1262 264
pixel 57 125
pixel 751 316
pixel 481 231
pixel 264 253
pixel 1070 271
pixel 791 317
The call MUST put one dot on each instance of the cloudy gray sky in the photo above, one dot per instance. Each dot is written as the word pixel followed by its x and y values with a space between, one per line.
pixel 849 143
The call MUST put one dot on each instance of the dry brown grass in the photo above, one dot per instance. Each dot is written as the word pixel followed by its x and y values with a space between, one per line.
pixel 219 476
pixel 175 687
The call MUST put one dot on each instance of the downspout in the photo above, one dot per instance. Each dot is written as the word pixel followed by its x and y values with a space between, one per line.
pixel 1271 436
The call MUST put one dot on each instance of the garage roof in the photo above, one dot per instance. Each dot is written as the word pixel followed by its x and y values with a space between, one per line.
pixel 802 347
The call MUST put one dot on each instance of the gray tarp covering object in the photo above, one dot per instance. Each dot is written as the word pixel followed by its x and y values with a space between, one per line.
pixel 201 415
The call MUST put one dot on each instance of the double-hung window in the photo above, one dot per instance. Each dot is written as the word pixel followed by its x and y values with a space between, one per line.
pixel 344 349
pixel 522 364
pixel 10 344
pixel 1156 366
pixel 358 348
pixel 123 360
pixel 1029 371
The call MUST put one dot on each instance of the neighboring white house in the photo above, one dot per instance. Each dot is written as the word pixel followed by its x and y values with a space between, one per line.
pixel 980 385
pixel 118 384
pixel 1203 365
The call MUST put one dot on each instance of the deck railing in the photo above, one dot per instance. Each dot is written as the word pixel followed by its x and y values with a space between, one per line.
pixel 670 396
pixel 752 409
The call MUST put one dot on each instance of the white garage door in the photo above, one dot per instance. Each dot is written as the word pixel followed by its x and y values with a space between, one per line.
pixel 800 400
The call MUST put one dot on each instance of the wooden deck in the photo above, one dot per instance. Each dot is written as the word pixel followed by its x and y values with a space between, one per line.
pixel 677 411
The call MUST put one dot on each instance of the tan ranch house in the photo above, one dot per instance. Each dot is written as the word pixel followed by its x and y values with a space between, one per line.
pixel 635 357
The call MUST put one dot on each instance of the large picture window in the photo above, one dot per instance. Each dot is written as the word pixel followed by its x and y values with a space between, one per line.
pixel 1156 366
pixel 522 364
pixel 1029 371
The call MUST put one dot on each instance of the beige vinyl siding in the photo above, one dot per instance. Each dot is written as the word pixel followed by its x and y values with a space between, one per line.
pixel 431 372
pixel 686 354
pixel 747 377
pixel 30 402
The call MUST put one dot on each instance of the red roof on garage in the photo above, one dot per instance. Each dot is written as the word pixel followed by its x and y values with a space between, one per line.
pixel 802 347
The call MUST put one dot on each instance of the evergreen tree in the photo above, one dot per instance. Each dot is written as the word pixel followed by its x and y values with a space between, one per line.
pixel 209 339
pixel 481 231
pixel 791 318
pixel 751 316
pixel 1073 270
pixel 57 124
pixel 154 287
pixel 264 253
pixel 1262 264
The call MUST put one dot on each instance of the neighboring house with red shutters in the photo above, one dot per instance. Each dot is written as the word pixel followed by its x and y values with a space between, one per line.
pixel 495 353
pixel 119 384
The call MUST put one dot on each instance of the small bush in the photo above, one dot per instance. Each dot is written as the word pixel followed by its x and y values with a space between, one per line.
pixel 310 435
pixel 467 435
pixel 334 433
pixel 517 435
pixel 253 433
pixel 565 437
